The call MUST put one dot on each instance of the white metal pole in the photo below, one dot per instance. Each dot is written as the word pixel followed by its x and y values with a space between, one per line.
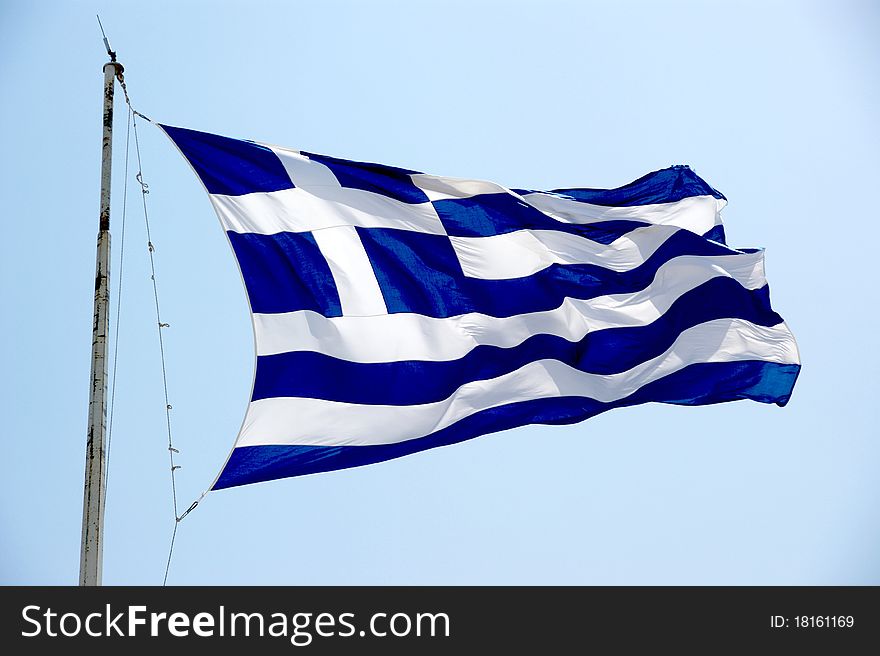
pixel 92 551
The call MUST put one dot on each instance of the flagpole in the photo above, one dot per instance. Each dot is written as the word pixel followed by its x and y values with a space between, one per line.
pixel 94 489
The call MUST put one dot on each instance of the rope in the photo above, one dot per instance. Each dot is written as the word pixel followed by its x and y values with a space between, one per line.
pixel 170 552
pixel 118 300
pixel 145 189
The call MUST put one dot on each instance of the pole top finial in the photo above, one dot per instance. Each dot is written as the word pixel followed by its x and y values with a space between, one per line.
pixel 110 51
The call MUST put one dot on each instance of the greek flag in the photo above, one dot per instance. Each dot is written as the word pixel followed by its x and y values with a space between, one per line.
pixel 396 311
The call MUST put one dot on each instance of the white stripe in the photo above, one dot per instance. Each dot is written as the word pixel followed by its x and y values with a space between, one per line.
pixel 406 336
pixel 331 423
pixel 437 187
pixel 301 210
pixel 321 203
pixel 698 214
pixel 525 252
pixel 359 293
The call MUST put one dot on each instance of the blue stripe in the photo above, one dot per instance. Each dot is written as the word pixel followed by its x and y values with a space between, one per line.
pixel 698 384
pixel 231 167
pixel 664 186
pixel 386 180
pixel 420 273
pixel 608 351
pixel 495 214
pixel 492 214
pixel 285 272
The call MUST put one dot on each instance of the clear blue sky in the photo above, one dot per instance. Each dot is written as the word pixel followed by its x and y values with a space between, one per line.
pixel 774 103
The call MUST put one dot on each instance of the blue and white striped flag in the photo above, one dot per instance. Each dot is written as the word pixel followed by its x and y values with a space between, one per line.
pixel 396 311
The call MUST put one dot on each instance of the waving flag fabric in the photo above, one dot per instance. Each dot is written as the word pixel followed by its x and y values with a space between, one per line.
pixel 396 311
